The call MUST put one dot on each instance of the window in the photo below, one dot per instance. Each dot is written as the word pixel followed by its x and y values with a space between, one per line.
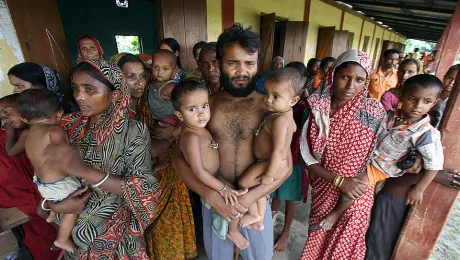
pixel 128 43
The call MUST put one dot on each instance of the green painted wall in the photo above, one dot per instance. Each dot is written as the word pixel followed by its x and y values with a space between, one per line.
pixel 103 20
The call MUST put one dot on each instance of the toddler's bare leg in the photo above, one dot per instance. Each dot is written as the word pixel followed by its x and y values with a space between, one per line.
pixel 251 217
pixel 261 206
pixel 249 178
pixel 235 236
pixel 342 205
pixel 50 218
pixel 63 239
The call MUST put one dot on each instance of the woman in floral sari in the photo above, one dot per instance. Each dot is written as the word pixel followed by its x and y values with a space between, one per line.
pixel 337 139
pixel 116 159
pixel 172 233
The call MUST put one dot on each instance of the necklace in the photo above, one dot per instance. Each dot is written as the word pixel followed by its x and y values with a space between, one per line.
pixel 405 121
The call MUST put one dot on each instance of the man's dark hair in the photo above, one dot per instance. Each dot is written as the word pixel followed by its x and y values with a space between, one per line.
pixel 30 72
pixel 38 104
pixel 424 81
pixel 406 61
pixel 210 46
pixel 299 66
pixel 292 76
pixel 390 51
pixel 128 57
pixel 10 99
pixel 88 68
pixel 198 45
pixel 311 62
pixel 183 88
pixel 325 61
pixel 247 38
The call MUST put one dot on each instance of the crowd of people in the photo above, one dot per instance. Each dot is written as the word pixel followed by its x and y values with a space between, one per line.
pixel 148 160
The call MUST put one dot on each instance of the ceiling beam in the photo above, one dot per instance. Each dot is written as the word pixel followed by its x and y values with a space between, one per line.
pixel 390 22
pixel 373 12
pixel 399 20
pixel 437 9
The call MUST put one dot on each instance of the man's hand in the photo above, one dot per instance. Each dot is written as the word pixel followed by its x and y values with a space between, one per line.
pixel 449 178
pixel 353 187
pixel 228 212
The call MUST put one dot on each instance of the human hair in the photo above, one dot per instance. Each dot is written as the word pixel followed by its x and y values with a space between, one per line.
pixel 30 72
pixel 10 99
pixel 93 72
pixel 210 46
pixel 183 88
pixel 291 76
pixel 38 104
pixel 174 45
pixel 128 57
pixel 311 62
pixel 416 49
pixel 424 81
pixel 325 61
pixel 247 38
pixel 166 53
pixel 410 60
pixel 198 45
pixel 454 67
pixel 345 64
pixel 299 66
pixel 390 51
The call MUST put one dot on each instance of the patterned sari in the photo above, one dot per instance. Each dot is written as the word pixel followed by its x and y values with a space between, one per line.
pixel 342 144
pixel 172 233
pixel 112 226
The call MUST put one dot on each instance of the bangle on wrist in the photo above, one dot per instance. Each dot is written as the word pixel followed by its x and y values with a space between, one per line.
pixel 43 205
pixel 102 181
pixel 337 181
pixel 224 188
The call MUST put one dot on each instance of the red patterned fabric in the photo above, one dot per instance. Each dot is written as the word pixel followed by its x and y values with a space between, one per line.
pixel 343 148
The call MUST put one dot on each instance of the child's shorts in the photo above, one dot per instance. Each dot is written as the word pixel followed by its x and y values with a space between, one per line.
pixel 375 175
pixel 59 190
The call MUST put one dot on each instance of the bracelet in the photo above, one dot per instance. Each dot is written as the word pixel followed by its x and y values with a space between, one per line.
pixel 102 181
pixel 43 205
pixel 340 183
pixel 337 181
pixel 224 188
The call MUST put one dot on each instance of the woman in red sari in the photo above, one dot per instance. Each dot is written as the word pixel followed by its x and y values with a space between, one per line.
pixel 337 139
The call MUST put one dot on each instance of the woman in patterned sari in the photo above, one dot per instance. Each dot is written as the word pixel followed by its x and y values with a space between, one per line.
pixel 112 152
pixel 172 233
pixel 337 139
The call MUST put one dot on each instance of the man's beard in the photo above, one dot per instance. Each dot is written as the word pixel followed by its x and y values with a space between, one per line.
pixel 226 84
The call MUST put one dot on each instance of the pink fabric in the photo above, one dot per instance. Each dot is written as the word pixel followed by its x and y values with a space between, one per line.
pixel 389 101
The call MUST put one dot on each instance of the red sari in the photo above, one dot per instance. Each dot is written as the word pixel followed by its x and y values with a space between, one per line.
pixel 18 190
pixel 342 144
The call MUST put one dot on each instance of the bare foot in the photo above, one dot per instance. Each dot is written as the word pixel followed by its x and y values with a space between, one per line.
pixel 249 219
pixel 238 239
pixel 50 218
pixel 327 222
pixel 281 244
pixel 67 245
pixel 259 225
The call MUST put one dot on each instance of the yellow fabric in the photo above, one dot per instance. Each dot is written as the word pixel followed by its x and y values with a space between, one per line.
pixel 375 175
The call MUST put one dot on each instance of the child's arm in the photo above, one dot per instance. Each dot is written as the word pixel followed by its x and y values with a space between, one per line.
pixel 279 133
pixel 415 194
pixel 14 147
pixel 191 147
pixel 166 91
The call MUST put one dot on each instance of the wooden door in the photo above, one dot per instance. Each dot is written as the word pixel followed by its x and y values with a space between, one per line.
pixel 376 50
pixel 339 45
pixel 325 42
pixel 351 37
pixel 185 21
pixel 295 41
pixel 365 44
pixel 41 35
pixel 267 35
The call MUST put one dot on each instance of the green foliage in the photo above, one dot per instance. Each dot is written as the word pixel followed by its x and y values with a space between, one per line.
pixel 128 44
pixel 424 46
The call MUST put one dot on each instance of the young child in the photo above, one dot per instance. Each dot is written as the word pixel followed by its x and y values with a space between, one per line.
pixel 11 121
pixel 159 98
pixel 41 109
pixel 273 139
pixel 199 149
pixel 403 130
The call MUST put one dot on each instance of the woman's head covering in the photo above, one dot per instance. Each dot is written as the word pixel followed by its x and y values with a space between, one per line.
pixel 355 122
pixel 147 59
pixel 96 42
pixel 112 121
pixel 116 58
pixel 278 57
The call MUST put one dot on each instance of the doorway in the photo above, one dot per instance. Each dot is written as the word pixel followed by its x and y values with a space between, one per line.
pixel 279 35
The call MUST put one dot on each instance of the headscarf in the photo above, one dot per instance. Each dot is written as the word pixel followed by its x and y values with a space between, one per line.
pixel 146 58
pixel 282 61
pixel 113 120
pixel 260 86
pixel 350 135
pixel 53 83
pixel 116 58
pixel 96 42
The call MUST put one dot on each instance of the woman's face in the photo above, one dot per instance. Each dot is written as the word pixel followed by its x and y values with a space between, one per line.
pixel 348 82
pixel 92 96
pixel 19 84
pixel 406 71
pixel 449 79
pixel 164 46
pixel 135 78
pixel 88 49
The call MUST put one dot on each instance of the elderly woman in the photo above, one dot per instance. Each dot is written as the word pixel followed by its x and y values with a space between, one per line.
pixel 111 152
pixel 337 139
pixel 33 75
